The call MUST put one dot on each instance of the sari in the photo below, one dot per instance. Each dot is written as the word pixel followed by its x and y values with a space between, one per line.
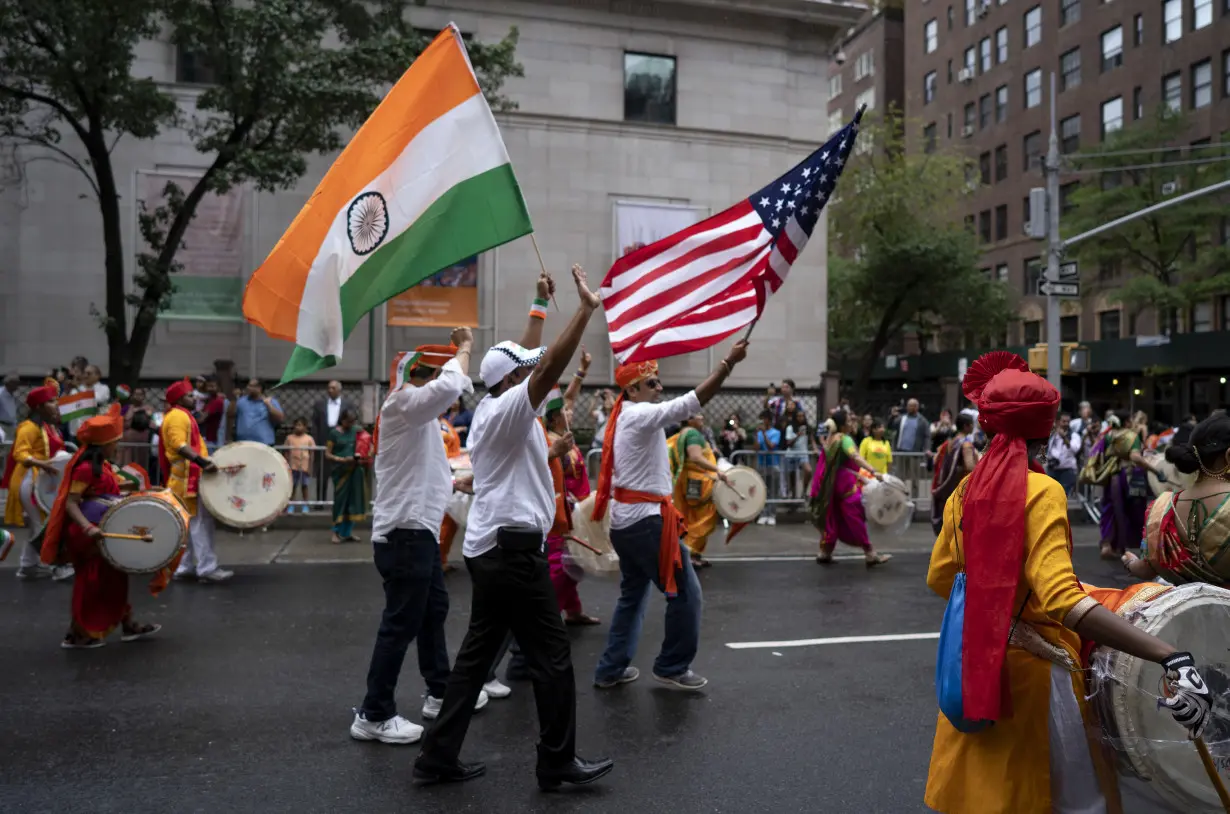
pixel 349 482
pixel 1202 539
pixel 1126 495
pixel 100 591
pixel 836 504
pixel 693 492
pixel 949 471
pixel 557 538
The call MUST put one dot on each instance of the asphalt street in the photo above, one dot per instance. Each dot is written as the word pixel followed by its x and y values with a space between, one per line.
pixel 243 701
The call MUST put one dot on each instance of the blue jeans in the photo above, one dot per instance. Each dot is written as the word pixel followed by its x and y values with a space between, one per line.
pixel 637 547
pixel 1066 478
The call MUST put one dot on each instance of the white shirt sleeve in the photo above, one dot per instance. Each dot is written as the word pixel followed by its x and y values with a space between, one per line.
pixel 421 404
pixel 668 413
pixel 102 394
pixel 1074 442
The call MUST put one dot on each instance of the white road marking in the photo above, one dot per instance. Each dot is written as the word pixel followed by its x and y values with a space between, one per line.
pixel 893 637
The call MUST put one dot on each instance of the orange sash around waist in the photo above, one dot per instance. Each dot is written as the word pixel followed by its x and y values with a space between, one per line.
pixel 673 527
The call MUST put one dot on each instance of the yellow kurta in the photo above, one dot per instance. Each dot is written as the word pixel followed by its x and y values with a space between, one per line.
pixel 693 493
pixel 176 432
pixel 1006 769
pixel 29 441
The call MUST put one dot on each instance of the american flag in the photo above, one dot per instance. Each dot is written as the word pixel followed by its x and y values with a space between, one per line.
pixel 698 286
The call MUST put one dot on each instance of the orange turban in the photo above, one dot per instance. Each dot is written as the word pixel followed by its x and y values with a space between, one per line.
pixel 1015 406
pixel 96 431
pixel 177 391
pixel 102 429
pixel 41 395
pixel 434 355
pixel 629 375
pixel 625 376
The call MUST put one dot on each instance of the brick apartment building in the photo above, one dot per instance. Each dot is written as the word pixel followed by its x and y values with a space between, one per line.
pixel 868 67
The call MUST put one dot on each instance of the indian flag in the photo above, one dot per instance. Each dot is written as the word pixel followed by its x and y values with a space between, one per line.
pixel 425 183
pixel 555 399
pixel 77 405
pixel 402 363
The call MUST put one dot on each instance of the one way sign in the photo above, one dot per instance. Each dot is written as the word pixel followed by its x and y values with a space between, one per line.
pixel 1067 290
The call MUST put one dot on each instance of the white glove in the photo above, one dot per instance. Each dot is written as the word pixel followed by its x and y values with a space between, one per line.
pixel 1190 701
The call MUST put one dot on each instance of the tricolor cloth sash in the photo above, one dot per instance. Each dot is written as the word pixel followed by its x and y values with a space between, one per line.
pixel 673 527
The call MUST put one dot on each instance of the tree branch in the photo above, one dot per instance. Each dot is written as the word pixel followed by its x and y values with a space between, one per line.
pixel 69 159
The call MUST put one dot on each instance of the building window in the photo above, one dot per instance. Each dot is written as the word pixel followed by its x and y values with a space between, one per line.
pixel 931 36
pixel 969 224
pixel 1001 45
pixel 1070 134
pixel 929 88
pixel 1033 273
pixel 1001 163
pixel 1109 271
pixel 971 116
pixel 1138 103
pixel 1033 88
pixel 948 116
pixel 984 168
pixel 1031 332
pixel 971 12
pixel 1172 20
pixel 1202 14
pixel 1001 103
pixel 194 68
pixel 1172 91
pixel 1112 49
pixel 1202 84
pixel 984 111
pixel 1001 272
pixel 950 18
pixel 1033 151
pixel 834 86
pixel 1065 197
pixel 649 88
pixel 984 225
pixel 837 120
pixel 1070 69
pixel 971 60
pixel 867 98
pixel 1069 12
pixel 1225 70
pixel 1202 317
pixel 1138 36
pixel 1070 328
pixel 1033 26
pixel 1001 222
pixel 1112 115
pixel 929 138
pixel 864 66
pixel 1108 324
pixel 950 71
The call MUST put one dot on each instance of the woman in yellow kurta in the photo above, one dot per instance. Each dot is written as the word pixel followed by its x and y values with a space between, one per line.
pixel 35 443
pixel 694 468
pixel 1026 614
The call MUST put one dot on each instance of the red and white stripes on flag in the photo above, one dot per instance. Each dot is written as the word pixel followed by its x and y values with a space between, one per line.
pixel 696 287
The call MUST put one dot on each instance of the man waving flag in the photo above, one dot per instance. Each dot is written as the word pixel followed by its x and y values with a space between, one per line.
pixel 693 289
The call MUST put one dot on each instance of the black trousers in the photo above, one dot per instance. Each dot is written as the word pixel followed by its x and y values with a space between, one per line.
pixel 415 607
pixel 512 591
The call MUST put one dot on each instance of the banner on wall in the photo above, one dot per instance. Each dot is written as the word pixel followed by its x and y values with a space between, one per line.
pixel 210 285
pixel 447 299
pixel 639 224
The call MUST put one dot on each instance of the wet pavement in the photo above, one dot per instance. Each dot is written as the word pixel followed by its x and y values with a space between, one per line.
pixel 242 702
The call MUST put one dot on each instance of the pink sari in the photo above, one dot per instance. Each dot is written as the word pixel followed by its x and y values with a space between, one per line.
pixel 836 505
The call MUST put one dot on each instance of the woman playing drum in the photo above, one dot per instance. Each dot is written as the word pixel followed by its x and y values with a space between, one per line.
pixel 1187 533
pixel 100 592
pixel 36 442
pixel 1025 617
pixel 836 505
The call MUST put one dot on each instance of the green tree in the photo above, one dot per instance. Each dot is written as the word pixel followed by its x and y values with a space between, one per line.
pixel 901 258
pixel 291 78
pixel 1169 258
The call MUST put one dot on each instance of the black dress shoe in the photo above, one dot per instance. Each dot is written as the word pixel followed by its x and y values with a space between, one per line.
pixel 427 773
pixel 579 772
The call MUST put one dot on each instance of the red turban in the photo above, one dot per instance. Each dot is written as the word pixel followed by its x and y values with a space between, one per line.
pixel 625 376
pixel 41 395
pixel 1015 406
pixel 177 391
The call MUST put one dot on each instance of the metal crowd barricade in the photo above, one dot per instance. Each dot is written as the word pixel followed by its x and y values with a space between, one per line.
pixel 786 473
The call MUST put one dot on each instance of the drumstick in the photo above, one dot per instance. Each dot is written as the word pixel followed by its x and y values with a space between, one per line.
pixel 731 486
pixel 143 538
pixel 583 544
pixel 1211 770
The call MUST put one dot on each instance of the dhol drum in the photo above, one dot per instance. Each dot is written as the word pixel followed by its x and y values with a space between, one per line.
pixel 1176 481
pixel 596 536
pixel 887 502
pixel 157 516
pixel 1149 744
pixel 46 485
pixel 744 498
pixel 458 506
pixel 251 487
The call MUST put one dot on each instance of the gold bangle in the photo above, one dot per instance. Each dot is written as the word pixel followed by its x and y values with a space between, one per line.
pixel 728 367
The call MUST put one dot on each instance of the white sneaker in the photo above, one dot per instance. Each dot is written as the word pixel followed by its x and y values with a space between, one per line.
pixel 495 689
pixel 216 575
pixel 34 572
pixel 60 573
pixel 772 521
pixel 395 730
pixel 431 706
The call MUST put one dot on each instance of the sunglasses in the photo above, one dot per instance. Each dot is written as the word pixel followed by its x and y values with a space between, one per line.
pixel 653 384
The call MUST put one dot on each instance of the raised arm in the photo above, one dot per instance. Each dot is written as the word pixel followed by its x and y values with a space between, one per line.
pixel 574 386
pixel 424 403
pixel 709 387
pixel 547 374
pixel 538 313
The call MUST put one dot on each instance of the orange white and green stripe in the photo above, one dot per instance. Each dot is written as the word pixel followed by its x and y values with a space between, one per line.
pixel 425 183
pixel 555 399
pixel 399 370
pixel 77 405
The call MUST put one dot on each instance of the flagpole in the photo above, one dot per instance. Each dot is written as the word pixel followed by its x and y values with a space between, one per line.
pixel 542 265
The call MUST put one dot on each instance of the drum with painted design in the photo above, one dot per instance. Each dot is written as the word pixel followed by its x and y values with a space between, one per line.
pixel 886 501
pixel 156 515
pixel 251 487
pixel 743 498
pixel 46 484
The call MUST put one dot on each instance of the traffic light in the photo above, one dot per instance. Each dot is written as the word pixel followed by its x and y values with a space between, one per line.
pixel 1074 358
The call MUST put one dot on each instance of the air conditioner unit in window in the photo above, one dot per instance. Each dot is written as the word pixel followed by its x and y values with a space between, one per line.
pixel 965 75
pixel 1170 187
pixel 984 10
pixel 967 131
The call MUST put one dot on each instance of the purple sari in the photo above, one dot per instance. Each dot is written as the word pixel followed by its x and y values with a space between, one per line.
pixel 1125 498
pixel 836 504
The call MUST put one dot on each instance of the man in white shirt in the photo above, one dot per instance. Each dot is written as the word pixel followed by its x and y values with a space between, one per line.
pixel 513 508
pixel 92 381
pixel 413 483
pixel 1061 452
pixel 645 526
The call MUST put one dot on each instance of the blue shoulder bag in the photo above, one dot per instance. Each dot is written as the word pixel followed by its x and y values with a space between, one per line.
pixel 948 663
